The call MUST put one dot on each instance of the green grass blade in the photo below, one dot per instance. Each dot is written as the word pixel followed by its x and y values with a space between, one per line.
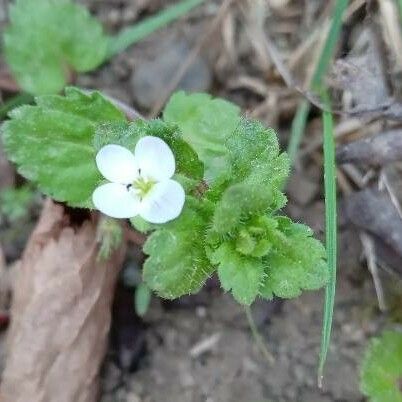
pixel 400 9
pixel 131 35
pixel 330 236
pixel 321 68
pixel 330 43
pixel 298 126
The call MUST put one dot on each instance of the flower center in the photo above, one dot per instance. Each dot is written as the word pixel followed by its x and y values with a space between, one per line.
pixel 142 186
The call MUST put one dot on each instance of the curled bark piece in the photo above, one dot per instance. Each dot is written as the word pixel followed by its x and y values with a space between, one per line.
pixel 60 313
pixel 377 150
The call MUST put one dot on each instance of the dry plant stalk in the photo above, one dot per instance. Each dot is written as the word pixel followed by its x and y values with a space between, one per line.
pixel 60 314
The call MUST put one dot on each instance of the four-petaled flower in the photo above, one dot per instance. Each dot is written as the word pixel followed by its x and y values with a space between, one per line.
pixel 140 183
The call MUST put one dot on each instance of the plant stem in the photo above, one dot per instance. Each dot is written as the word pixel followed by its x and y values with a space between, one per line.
pixel 299 122
pixel 330 234
pixel 257 337
pixel 131 35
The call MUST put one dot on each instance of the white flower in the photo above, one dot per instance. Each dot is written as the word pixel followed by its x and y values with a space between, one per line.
pixel 140 183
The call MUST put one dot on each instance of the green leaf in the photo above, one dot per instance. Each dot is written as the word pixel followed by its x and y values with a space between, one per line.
pixel 177 263
pixel 109 236
pixel 238 273
pixel 127 134
pixel 141 224
pixel 296 261
pixel 120 133
pixel 46 38
pixel 142 299
pixel 330 233
pixel 254 155
pixel 206 123
pixel 51 143
pixel 15 203
pixel 238 203
pixel 381 370
pixel 245 242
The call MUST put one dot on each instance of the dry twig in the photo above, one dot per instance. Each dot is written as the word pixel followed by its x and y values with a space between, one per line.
pixel 191 58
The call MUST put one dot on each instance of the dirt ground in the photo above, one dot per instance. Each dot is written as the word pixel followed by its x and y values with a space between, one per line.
pixel 206 353
pixel 200 348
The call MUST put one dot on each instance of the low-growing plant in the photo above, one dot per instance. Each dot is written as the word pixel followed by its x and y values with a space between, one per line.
pixel 49 41
pixel 204 184
pixel 15 203
pixel 381 369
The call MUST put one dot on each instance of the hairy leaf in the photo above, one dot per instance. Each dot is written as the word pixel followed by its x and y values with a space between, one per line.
pixel 238 203
pixel 381 370
pixel 177 263
pixel 127 134
pixel 254 154
pixel 238 273
pixel 46 38
pixel 255 158
pixel 206 122
pixel 296 261
pixel 51 143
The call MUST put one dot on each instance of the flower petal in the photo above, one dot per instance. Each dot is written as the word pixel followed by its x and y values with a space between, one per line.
pixel 163 203
pixel 117 164
pixel 115 200
pixel 154 158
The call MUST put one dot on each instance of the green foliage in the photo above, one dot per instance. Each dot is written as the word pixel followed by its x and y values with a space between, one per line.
pixel 51 143
pixel 238 202
pixel 142 299
pixel 295 262
pixel 282 257
pixel 381 370
pixel 330 233
pixel 46 39
pixel 141 30
pixel 255 251
pixel 127 134
pixel 231 226
pixel 255 158
pixel 110 236
pixel 177 262
pixel 206 122
pixel 241 274
pixel 15 202
pixel 120 133
pixel 141 224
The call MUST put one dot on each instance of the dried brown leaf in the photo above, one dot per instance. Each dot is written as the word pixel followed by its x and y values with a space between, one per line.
pixel 362 74
pixel 60 313
pixel 379 149
pixel 373 211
